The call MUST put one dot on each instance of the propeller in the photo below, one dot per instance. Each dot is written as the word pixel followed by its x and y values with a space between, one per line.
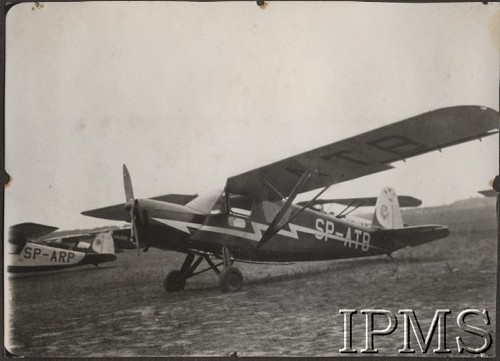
pixel 131 205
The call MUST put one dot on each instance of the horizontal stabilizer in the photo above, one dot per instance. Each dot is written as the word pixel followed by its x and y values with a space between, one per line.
pixel 404 201
pixel 118 212
pixel 488 193
pixel 97 258
pixel 414 235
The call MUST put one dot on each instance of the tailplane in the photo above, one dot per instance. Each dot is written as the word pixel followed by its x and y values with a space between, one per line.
pixel 388 220
pixel 414 235
pixel 387 213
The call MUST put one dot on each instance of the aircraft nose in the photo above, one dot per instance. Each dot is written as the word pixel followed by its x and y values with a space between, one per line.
pixel 159 206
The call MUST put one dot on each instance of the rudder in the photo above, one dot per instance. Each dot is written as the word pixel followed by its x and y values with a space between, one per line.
pixel 387 213
pixel 103 243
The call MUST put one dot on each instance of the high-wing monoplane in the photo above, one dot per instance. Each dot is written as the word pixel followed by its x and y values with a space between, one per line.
pixel 34 249
pixel 254 218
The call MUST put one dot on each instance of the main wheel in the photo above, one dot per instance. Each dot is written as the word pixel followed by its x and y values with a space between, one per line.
pixel 231 279
pixel 174 281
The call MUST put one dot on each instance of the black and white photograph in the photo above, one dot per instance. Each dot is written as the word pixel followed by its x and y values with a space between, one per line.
pixel 250 179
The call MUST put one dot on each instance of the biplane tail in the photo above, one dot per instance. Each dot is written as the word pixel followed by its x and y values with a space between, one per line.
pixel 387 212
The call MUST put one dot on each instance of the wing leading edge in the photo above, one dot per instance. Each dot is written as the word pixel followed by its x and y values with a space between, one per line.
pixel 117 212
pixel 369 152
pixel 29 231
pixel 404 201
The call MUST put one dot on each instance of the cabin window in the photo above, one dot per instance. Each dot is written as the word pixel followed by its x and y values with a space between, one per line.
pixel 218 207
pixel 240 206
pixel 241 212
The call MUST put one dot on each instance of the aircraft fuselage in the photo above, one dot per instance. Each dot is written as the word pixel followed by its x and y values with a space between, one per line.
pixel 309 236
pixel 35 257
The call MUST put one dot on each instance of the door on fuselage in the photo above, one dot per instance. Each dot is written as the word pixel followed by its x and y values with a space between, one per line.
pixel 227 224
pixel 239 211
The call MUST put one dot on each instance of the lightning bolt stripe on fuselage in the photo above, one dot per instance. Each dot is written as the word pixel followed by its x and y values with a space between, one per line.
pixel 353 237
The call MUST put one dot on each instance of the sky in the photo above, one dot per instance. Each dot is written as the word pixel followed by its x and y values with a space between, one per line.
pixel 189 94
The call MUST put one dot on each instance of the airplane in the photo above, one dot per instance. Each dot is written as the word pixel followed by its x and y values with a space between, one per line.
pixel 495 188
pixel 254 218
pixel 33 249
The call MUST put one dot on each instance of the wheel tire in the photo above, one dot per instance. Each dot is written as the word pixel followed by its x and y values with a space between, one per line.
pixel 174 281
pixel 231 279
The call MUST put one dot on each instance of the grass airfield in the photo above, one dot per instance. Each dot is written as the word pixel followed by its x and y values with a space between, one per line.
pixel 121 309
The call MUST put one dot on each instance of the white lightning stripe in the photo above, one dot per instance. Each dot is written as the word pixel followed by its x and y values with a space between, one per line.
pixel 181 226
pixel 258 229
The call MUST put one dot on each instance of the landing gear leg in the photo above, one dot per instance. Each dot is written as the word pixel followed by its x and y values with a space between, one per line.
pixel 176 280
pixel 226 257
pixel 231 278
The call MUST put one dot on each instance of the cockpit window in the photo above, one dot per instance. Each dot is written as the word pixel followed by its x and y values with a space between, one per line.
pixel 241 205
pixel 219 206
pixel 238 205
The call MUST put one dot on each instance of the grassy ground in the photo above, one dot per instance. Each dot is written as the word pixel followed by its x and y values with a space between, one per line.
pixel 121 309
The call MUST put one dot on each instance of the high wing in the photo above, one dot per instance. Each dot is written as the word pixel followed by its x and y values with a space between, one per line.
pixel 117 212
pixel 367 153
pixel 404 201
pixel 20 233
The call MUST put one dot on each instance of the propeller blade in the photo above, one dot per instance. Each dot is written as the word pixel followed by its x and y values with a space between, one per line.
pixel 132 205
pixel 135 236
pixel 135 218
pixel 127 183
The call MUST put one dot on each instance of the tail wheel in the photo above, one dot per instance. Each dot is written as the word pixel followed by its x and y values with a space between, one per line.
pixel 231 279
pixel 174 281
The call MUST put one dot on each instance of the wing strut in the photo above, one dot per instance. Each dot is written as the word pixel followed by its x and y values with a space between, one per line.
pixel 345 211
pixel 307 205
pixel 282 219
pixel 274 189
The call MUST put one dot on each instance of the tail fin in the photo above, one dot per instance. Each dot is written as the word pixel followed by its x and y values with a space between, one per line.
pixel 387 213
pixel 103 243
